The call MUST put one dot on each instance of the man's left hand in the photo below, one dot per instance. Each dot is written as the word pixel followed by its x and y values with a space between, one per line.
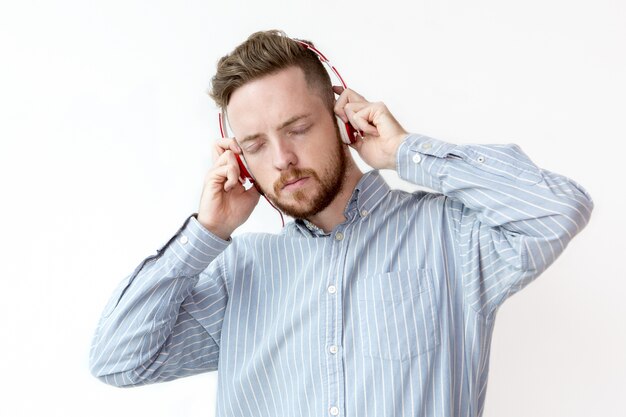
pixel 381 132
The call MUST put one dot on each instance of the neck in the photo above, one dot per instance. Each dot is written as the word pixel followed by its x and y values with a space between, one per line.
pixel 333 215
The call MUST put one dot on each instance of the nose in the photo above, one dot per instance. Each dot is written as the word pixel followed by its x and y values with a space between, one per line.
pixel 283 155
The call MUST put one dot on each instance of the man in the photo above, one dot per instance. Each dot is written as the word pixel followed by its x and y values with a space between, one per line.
pixel 373 302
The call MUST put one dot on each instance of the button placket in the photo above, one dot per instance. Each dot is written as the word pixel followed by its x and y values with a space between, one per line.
pixel 336 378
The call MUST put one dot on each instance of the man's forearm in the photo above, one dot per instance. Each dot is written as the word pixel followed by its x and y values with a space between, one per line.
pixel 144 309
pixel 503 188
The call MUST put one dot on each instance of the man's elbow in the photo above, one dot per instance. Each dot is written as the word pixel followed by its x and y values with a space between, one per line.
pixel 111 376
pixel 541 250
pixel 578 213
pixel 119 380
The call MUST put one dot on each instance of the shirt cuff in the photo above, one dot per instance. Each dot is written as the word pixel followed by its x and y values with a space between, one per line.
pixel 420 160
pixel 193 247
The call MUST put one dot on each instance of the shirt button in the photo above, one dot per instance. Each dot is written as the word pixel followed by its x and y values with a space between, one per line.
pixel 332 289
pixel 183 240
pixel 481 159
pixel 417 158
pixel 334 411
pixel 333 349
pixel 364 213
pixel 339 236
pixel 427 146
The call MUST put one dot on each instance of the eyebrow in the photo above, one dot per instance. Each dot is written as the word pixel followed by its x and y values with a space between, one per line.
pixel 283 125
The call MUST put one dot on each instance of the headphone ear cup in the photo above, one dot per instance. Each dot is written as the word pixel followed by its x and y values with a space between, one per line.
pixel 346 131
pixel 244 174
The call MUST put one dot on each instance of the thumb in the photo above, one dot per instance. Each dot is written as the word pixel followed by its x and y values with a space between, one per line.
pixel 357 145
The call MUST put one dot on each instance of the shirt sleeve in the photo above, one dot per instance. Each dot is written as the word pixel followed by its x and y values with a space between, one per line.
pixel 512 218
pixel 164 320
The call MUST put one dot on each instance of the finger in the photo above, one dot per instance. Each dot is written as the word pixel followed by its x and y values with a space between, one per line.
pixel 338 89
pixel 221 160
pixel 224 178
pixel 228 160
pixel 350 116
pixel 356 145
pixel 365 121
pixel 353 96
pixel 222 145
pixel 356 107
pixel 346 96
pixel 339 107
pixel 359 116
pixel 227 143
pixel 234 171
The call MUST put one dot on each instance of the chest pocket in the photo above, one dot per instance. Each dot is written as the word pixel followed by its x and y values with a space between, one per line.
pixel 398 317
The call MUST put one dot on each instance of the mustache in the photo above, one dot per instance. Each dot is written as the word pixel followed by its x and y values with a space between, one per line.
pixel 291 176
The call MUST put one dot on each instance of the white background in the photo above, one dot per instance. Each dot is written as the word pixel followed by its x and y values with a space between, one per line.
pixel 106 128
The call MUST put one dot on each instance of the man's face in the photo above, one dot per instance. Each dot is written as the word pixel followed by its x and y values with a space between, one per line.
pixel 290 142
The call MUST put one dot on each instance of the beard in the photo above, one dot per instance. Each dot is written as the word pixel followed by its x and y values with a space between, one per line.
pixel 327 184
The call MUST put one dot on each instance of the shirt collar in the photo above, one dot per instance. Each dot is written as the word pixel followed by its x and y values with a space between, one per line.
pixel 368 193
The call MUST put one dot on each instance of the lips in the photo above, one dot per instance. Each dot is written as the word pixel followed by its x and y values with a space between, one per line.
pixel 294 179
pixel 293 182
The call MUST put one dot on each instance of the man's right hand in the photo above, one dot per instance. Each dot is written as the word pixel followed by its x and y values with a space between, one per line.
pixel 224 203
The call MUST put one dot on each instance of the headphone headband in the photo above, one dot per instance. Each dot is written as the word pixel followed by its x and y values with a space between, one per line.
pixel 323 59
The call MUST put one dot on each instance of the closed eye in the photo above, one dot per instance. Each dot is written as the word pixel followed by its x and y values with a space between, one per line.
pixel 300 131
pixel 254 147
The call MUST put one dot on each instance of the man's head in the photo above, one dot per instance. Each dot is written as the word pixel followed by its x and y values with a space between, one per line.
pixel 265 53
pixel 279 101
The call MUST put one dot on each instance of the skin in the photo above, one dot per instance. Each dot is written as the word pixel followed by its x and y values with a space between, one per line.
pixel 291 145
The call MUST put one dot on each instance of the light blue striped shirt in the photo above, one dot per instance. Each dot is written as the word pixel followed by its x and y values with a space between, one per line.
pixel 390 314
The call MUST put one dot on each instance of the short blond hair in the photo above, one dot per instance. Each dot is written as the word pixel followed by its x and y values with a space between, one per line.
pixel 265 53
